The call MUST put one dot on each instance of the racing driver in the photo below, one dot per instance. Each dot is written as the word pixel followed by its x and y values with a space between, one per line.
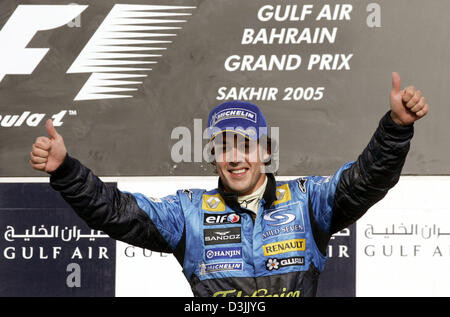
pixel 253 235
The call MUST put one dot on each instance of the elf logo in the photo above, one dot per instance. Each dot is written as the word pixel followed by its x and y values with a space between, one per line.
pixel 231 218
pixel 116 55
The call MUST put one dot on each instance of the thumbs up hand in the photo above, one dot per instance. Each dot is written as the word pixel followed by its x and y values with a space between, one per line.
pixel 48 152
pixel 407 105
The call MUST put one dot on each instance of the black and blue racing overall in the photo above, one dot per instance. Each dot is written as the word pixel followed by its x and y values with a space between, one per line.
pixel 224 249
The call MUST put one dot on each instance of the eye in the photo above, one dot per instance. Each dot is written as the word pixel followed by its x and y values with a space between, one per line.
pixel 222 147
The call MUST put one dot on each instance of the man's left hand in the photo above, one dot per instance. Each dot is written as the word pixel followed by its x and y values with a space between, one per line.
pixel 407 105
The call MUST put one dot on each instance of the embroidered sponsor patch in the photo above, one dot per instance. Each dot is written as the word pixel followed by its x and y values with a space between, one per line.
pixel 284 247
pixel 233 113
pixel 213 203
pixel 283 220
pixel 283 194
pixel 221 219
pixel 223 253
pixel 222 235
pixel 276 264
pixel 220 267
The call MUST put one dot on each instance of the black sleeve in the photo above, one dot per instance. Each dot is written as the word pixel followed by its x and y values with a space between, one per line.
pixel 375 171
pixel 105 207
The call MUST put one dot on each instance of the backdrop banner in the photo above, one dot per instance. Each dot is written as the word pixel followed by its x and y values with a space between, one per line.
pixel 129 85
pixel 109 72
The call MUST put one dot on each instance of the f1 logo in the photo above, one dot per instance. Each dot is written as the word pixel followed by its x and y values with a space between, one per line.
pixel 114 53
pixel 22 26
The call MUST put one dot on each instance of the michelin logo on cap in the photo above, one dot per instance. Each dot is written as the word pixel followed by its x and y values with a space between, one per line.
pixel 233 113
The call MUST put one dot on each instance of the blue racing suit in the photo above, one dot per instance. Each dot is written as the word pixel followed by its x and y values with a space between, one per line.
pixel 224 249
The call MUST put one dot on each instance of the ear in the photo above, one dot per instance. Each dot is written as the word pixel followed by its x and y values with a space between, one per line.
pixel 265 150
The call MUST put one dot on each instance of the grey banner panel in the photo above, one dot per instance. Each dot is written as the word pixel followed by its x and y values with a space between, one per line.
pixel 132 136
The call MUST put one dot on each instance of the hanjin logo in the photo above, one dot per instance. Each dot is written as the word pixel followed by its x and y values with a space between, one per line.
pixel 232 218
pixel 222 235
pixel 223 253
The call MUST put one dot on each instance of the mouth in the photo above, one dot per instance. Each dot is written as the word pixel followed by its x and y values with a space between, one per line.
pixel 238 172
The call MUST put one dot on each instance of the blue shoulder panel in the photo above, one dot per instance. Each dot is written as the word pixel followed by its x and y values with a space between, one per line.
pixel 166 214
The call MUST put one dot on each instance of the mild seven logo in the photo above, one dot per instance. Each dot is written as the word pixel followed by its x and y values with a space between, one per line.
pixel 279 217
pixel 283 220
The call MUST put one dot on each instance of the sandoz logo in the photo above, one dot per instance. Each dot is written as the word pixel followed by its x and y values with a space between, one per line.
pixel 222 235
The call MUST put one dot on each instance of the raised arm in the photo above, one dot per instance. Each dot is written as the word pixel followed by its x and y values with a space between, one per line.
pixel 339 201
pixel 155 224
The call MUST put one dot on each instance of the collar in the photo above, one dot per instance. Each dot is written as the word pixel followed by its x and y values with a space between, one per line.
pixel 269 196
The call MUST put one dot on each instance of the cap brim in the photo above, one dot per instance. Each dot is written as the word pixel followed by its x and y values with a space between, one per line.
pixel 233 131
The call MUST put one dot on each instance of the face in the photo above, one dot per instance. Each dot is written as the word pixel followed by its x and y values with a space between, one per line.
pixel 239 163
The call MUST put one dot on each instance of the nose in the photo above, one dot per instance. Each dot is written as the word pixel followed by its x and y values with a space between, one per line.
pixel 236 155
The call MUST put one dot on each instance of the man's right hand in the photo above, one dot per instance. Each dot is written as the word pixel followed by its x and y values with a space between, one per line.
pixel 48 153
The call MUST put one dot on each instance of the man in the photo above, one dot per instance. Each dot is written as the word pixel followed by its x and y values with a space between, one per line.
pixel 252 236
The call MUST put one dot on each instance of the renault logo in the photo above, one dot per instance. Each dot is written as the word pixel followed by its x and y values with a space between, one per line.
pixel 280 193
pixel 213 202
